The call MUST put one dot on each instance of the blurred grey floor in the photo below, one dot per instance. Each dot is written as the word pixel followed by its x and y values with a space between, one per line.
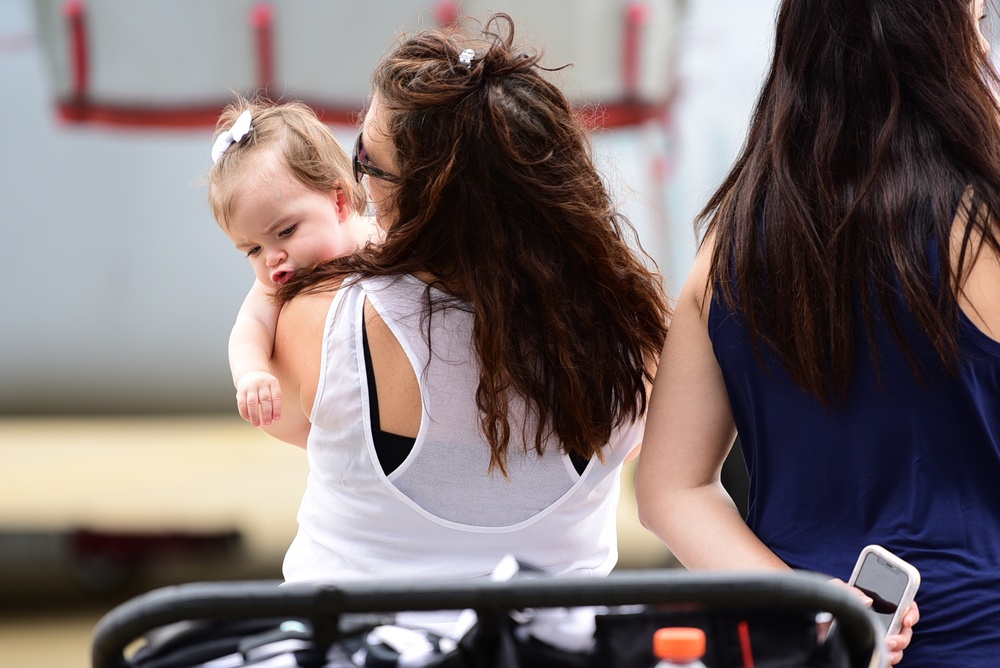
pixel 158 477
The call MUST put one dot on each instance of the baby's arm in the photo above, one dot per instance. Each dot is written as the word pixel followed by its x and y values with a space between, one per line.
pixel 258 394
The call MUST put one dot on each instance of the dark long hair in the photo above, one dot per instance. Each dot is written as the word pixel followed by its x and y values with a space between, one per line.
pixel 876 121
pixel 498 198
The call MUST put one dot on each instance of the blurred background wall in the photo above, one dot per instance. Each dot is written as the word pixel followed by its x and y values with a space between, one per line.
pixel 122 289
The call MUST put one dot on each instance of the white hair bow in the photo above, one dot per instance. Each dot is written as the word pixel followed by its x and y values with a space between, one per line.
pixel 234 135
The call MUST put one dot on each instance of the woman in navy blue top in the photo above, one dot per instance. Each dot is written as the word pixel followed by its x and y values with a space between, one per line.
pixel 843 316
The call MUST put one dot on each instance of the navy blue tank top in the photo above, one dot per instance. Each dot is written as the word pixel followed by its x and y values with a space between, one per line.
pixel 909 466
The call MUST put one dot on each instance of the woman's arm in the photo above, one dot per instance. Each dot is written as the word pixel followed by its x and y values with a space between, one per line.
pixel 298 345
pixel 689 431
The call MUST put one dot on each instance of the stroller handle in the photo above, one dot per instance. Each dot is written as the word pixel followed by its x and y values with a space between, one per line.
pixel 323 604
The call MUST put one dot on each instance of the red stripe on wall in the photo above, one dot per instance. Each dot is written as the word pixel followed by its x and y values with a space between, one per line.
pixel 262 20
pixel 446 13
pixel 594 117
pixel 636 16
pixel 73 11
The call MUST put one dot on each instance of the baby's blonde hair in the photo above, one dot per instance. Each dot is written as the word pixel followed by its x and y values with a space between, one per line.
pixel 290 134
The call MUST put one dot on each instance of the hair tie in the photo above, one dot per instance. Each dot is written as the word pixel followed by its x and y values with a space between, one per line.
pixel 241 128
pixel 465 58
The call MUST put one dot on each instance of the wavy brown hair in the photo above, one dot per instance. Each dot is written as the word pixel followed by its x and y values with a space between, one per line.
pixel 875 123
pixel 498 199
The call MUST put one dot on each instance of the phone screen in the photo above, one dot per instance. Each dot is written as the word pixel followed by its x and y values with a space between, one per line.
pixel 884 583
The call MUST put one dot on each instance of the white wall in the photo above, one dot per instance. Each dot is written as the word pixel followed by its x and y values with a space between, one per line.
pixel 723 53
pixel 120 288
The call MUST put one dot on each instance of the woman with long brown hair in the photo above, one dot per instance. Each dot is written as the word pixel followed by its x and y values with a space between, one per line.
pixel 470 386
pixel 843 317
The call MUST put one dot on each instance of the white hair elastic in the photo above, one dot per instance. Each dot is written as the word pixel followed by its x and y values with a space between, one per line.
pixel 234 135
pixel 465 58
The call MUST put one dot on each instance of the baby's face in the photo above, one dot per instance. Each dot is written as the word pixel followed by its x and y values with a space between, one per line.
pixel 284 227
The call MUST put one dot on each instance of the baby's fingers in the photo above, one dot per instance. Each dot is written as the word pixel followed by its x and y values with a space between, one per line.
pixel 253 408
pixel 266 406
pixel 270 402
pixel 274 402
pixel 258 396
pixel 242 407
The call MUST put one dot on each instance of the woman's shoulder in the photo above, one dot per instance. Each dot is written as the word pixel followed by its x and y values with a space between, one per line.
pixel 302 316
pixel 315 303
pixel 698 286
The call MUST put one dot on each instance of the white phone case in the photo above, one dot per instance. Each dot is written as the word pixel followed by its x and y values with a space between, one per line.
pixel 912 582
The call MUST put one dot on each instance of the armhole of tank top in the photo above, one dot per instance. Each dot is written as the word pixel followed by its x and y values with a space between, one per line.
pixel 980 338
pixel 966 324
pixel 391 450
pixel 335 304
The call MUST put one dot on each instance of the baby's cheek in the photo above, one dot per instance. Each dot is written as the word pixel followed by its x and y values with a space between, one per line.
pixel 263 275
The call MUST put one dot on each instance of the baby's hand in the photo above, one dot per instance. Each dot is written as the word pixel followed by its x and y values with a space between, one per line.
pixel 258 397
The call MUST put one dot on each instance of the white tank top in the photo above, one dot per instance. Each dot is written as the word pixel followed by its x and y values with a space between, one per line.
pixel 440 513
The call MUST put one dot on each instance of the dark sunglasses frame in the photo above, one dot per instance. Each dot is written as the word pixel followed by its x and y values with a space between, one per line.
pixel 362 167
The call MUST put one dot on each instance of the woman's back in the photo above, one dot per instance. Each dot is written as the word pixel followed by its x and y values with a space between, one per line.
pixel 437 508
pixel 851 335
pixel 512 331
pixel 908 463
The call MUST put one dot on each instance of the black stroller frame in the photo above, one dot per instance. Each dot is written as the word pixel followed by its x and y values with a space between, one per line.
pixel 326 606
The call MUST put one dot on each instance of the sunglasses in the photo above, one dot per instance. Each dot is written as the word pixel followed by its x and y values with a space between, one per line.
pixel 362 165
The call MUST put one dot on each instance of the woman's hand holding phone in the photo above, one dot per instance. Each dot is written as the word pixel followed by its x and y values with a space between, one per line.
pixel 895 643
pixel 900 641
pixel 888 585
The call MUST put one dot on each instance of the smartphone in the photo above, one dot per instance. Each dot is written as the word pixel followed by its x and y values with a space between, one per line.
pixel 889 581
